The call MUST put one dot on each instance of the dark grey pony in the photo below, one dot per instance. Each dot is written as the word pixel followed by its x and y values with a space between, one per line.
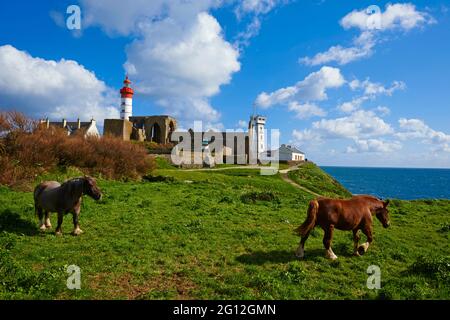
pixel 51 196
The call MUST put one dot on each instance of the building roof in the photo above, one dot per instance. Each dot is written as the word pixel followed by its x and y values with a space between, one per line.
pixel 290 148
pixel 70 126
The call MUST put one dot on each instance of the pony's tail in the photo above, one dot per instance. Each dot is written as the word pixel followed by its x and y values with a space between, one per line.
pixel 37 192
pixel 310 221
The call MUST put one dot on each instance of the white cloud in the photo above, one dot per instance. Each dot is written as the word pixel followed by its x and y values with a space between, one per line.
pixel 367 132
pixel 383 111
pixel 312 88
pixel 252 29
pixel 362 48
pixel 118 18
pixel 307 110
pixel 402 16
pixel 242 124
pixel 371 91
pixel 374 146
pixel 257 6
pixel 255 9
pixel 56 89
pixel 179 57
pixel 306 136
pixel 182 65
pixel 351 106
pixel 418 129
pixel 360 124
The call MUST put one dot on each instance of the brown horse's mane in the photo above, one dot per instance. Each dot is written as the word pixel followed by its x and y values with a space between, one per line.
pixel 72 180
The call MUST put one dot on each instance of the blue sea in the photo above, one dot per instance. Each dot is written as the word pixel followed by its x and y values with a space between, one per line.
pixel 405 184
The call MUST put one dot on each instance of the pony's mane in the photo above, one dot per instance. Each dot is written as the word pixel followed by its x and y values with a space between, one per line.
pixel 72 180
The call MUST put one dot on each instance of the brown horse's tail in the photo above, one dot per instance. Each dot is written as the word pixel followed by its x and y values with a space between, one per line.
pixel 37 192
pixel 310 221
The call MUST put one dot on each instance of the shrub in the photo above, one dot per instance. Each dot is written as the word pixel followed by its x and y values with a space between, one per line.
pixel 444 227
pixel 433 267
pixel 27 150
pixel 151 178
pixel 252 197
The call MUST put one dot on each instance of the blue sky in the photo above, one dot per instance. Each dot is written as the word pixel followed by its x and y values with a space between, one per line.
pixel 342 91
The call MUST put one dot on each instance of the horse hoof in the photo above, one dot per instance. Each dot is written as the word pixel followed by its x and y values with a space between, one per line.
pixel 49 226
pixel 356 254
pixel 300 253
pixel 331 256
pixel 58 233
pixel 361 251
pixel 77 232
pixel 42 228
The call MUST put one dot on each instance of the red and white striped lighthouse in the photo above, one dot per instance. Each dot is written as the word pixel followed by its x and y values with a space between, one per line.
pixel 126 105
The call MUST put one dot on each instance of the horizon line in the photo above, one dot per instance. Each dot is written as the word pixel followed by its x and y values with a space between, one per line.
pixel 376 167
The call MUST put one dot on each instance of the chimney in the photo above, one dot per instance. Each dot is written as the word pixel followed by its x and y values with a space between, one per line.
pixel 47 123
pixel 64 123
pixel 78 123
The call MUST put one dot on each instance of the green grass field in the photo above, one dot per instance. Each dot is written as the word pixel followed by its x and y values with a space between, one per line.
pixel 217 235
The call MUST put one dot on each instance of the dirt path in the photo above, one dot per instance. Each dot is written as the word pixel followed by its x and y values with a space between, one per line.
pixel 286 178
pixel 225 168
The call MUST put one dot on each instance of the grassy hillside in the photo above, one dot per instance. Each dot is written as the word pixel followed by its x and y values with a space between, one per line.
pixel 315 179
pixel 217 235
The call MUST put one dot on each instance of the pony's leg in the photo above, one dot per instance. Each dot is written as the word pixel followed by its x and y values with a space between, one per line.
pixel 48 224
pixel 76 226
pixel 40 214
pixel 300 252
pixel 60 221
pixel 328 236
pixel 356 238
pixel 368 232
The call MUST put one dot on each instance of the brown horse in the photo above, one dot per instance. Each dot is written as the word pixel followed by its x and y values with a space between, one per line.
pixel 354 214
pixel 51 196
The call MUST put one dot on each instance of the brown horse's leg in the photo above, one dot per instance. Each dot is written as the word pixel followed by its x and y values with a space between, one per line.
pixel 367 230
pixel 60 221
pixel 328 236
pixel 300 253
pixel 76 226
pixel 48 224
pixel 356 238
pixel 40 214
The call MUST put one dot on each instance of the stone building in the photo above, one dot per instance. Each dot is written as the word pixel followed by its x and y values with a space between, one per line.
pixel 86 128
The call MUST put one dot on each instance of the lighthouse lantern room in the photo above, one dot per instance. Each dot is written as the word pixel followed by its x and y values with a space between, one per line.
pixel 126 94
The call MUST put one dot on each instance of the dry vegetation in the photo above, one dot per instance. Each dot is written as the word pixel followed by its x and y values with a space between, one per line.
pixel 28 150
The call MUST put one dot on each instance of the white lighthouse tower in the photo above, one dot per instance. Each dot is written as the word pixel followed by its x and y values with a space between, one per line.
pixel 257 134
pixel 126 105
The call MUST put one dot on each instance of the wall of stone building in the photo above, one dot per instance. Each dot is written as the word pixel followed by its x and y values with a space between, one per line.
pixel 119 128
pixel 138 134
pixel 163 125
